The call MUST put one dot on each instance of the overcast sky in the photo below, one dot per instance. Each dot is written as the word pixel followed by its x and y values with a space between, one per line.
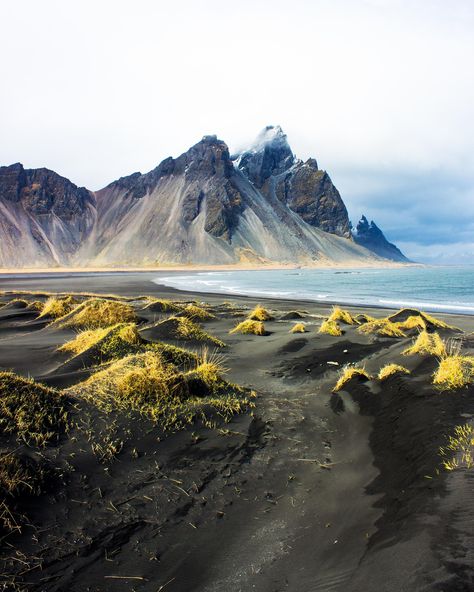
pixel 381 92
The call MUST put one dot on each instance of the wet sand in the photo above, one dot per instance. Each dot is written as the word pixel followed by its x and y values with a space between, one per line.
pixel 311 491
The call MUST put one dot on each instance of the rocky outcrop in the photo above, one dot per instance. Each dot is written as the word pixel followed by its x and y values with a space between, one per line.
pixel 43 217
pixel 308 191
pixel 270 155
pixel 201 207
pixel 371 237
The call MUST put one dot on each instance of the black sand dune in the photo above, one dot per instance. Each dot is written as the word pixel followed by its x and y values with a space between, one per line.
pixel 308 491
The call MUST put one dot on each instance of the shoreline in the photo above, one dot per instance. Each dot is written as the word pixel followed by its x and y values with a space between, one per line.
pixel 203 267
pixel 137 283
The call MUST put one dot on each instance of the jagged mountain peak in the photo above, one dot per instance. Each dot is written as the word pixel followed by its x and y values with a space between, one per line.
pixel 271 135
pixel 270 154
pixel 368 235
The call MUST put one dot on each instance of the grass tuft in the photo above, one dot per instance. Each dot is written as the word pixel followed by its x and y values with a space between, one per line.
pixel 172 354
pixel 30 411
pixel 454 371
pixel 427 343
pixel 298 328
pixel 147 384
pixel 107 343
pixel 343 316
pixel 184 328
pixel 390 370
pixel 194 312
pixel 347 374
pixel 412 322
pixel 249 327
pixel 364 318
pixel 259 314
pixel 95 313
pixel 57 307
pixel 430 321
pixel 36 305
pixel 157 305
pixel 382 327
pixel 142 382
pixel 17 303
pixel 330 328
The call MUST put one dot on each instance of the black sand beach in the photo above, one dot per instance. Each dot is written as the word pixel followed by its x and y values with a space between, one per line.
pixel 307 491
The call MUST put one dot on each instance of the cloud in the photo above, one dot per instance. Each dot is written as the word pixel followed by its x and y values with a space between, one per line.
pixel 379 91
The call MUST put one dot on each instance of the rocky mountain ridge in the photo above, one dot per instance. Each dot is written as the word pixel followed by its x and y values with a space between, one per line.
pixel 203 207
pixel 370 236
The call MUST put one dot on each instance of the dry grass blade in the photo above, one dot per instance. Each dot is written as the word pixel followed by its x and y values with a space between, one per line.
pixel 330 328
pixel 298 328
pixel 427 343
pixel 343 316
pixel 348 374
pixel 98 313
pixel 57 307
pixel 259 314
pixel 454 372
pixel 249 327
pixel 390 370
pixel 459 451
pixel 107 343
pixel 382 327
pixel 32 412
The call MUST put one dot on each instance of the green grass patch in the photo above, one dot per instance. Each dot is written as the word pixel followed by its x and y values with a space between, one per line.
pixel 95 313
pixel 57 307
pixel 162 305
pixel 197 313
pixel 107 343
pixel 183 328
pixel 31 412
pixel 147 384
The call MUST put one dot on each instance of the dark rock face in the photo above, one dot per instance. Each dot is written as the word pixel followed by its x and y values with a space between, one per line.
pixel 43 192
pixel 371 237
pixel 271 155
pixel 308 191
pixel 208 174
pixel 44 217
pixel 12 180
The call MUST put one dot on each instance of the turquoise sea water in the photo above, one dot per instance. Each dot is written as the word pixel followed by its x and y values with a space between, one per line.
pixel 445 289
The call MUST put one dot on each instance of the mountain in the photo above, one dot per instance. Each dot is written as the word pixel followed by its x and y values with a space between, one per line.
pixel 203 207
pixel 306 190
pixel 44 218
pixel 371 237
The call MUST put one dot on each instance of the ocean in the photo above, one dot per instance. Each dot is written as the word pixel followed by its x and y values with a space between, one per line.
pixel 431 288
